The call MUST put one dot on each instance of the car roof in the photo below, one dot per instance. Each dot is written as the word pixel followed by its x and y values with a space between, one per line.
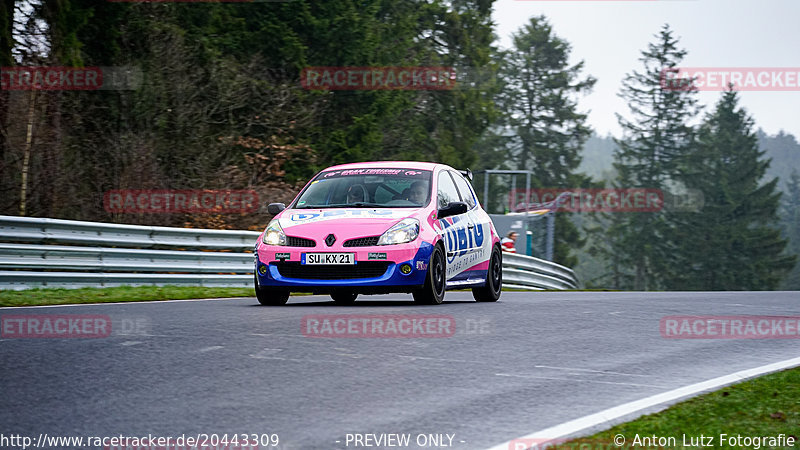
pixel 417 165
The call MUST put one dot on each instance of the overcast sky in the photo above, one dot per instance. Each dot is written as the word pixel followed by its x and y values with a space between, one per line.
pixel 609 36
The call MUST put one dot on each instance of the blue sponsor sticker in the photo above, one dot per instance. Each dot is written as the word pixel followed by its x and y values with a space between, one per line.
pixel 460 238
pixel 340 213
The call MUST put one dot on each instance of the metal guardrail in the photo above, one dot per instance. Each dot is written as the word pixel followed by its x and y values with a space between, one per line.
pixel 52 231
pixel 33 254
pixel 526 272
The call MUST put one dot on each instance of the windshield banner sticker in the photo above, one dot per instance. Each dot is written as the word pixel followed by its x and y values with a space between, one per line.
pixel 397 172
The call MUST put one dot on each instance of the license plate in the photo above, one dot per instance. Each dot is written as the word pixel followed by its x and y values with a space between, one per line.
pixel 328 258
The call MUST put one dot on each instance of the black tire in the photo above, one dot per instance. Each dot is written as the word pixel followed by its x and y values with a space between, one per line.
pixel 271 297
pixel 432 293
pixel 344 297
pixel 490 292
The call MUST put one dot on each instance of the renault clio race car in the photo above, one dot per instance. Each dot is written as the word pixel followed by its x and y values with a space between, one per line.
pixel 380 227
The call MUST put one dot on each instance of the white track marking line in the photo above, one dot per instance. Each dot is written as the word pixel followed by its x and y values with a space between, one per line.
pixel 266 352
pixel 276 319
pixel 426 358
pixel 208 349
pixel 780 308
pixel 276 358
pixel 592 371
pixel 138 335
pixel 612 416
pixel 349 355
pixel 577 379
pixel 278 334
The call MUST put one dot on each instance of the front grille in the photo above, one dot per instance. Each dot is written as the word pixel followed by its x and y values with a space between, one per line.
pixel 292 241
pixel 366 269
pixel 362 242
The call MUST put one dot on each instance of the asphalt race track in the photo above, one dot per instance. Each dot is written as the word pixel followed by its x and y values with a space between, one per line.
pixel 528 362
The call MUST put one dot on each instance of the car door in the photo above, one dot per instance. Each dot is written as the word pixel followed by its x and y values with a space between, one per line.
pixel 478 230
pixel 457 229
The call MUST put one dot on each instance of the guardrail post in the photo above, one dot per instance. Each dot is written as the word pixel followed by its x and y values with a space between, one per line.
pixel 551 231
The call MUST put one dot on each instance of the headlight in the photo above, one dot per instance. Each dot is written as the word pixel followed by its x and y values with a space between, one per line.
pixel 404 231
pixel 274 234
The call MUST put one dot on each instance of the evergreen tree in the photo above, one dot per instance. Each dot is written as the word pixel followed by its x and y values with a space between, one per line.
pixel 790 218
pixel 540 100
pixel 733 243
pixel 657 137
pixel 784 151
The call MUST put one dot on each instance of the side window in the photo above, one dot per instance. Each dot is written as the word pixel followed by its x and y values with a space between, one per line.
pixel 447 191
pixel 463 187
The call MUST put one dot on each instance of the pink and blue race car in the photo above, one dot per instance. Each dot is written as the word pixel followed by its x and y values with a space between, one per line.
pixel 380 227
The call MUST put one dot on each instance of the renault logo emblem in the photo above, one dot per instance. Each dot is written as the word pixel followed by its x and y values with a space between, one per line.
pixel 330 239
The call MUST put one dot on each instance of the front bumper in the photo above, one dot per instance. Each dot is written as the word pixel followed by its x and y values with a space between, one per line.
pixel 380 275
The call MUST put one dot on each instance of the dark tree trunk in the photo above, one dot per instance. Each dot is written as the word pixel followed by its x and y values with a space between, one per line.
pixel 6 60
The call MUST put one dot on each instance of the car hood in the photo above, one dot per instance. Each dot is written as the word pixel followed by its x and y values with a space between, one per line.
pixel 346 222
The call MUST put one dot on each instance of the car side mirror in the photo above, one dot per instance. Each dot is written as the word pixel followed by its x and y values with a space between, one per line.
pixel 275 208
pixel 452 209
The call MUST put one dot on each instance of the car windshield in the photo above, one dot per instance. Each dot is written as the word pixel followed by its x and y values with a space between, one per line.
pixel 368 188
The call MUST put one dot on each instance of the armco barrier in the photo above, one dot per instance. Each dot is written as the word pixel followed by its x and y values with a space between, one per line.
pixel 525 272
pixel 33 254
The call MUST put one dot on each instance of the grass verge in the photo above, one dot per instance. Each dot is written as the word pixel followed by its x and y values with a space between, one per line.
pixel 767 406
pixel 55 296
pixel 50 296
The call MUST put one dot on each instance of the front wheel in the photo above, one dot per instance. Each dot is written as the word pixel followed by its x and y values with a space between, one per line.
pixel 432 293
pixel 271 297
pixel 490 292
